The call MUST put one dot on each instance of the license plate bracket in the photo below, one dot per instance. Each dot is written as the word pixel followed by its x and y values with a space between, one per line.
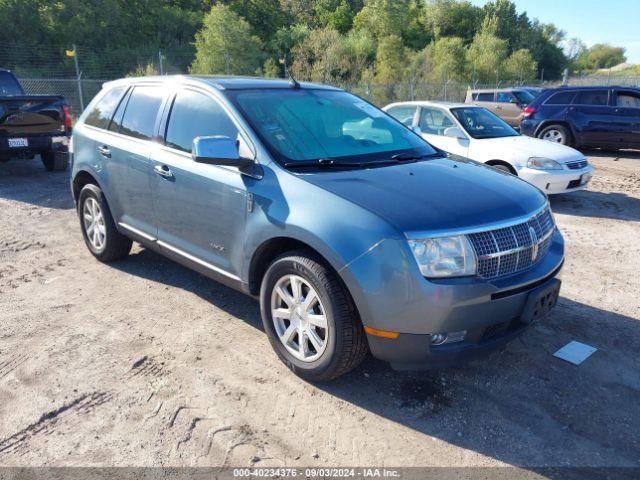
pixel 540 302
pixel 18 142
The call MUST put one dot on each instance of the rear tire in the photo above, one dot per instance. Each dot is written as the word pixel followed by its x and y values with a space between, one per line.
pixel 54 161
pixel 328 352
pixel 98 228
pixel 557 134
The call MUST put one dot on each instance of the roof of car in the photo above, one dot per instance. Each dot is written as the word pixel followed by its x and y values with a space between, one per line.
pixel 433 103
pixel 491 90
pixel 229 82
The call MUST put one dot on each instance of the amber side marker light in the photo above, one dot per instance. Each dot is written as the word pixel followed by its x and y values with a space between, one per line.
pixel 381 333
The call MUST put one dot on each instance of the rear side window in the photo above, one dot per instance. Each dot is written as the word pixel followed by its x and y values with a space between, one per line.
pixel 403 114
pixel 560 98
pixel 100 115
pixel 142 109
pixel 196 115
pixel 592 97
pixel 628 99
pixel 484 97
pixel 504 97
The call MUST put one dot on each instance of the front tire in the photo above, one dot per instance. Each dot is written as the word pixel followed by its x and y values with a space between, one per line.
pixel 556 133
pixel 98 228
pixel 310 318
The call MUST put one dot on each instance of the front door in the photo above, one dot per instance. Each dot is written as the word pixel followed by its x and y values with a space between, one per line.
pixel 433 122
pixel 200 209
pixel 628 112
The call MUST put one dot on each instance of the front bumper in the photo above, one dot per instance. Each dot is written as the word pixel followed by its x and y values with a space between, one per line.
pixel 391 295
pixel 558 181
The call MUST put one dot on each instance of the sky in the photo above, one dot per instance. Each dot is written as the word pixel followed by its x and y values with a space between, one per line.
pixel 593 21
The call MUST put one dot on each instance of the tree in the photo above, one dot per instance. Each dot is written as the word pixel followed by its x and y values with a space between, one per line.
pixel 334 14
pixel 360 49
pixel 448 59
pixel 264 16
pixel 383 18
pixel 225 44
pixel 321 57
pixel 391 67
pixel 520 66
pixel 602 55
pixel 486 53
pixel 444 18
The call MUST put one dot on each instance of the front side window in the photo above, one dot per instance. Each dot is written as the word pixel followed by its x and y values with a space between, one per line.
pixel 142 109
pixel 101 113
pixel 481 123
pixel 308 125
pixel 523 96
pixel 628 99
pixel 504 97
pixel 194 115
pixel 592 97
pixel 404 113
pixel 435 121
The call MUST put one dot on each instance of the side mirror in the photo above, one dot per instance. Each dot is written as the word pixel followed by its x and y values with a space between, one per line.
pixel 454 132
pixel 218 150
pixel 416 129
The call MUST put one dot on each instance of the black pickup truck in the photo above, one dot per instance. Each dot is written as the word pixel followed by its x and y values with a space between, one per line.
pixel 33 124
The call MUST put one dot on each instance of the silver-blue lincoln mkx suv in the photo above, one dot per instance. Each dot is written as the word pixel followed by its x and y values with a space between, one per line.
pixel 355 234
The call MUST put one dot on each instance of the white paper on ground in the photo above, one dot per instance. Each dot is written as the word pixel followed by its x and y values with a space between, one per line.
pixel 575 352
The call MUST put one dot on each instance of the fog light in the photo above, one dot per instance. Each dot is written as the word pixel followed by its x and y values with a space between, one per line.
pixel 438 338
pixel 451 337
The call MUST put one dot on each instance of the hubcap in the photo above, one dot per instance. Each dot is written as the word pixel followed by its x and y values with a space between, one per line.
pixel 93 220
pixel 553 136
pixel 299 318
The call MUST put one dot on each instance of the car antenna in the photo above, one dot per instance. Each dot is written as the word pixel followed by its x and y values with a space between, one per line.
pixel 293 82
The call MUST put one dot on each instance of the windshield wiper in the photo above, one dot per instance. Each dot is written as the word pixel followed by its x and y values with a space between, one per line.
pixel 406 157
pixel 333 163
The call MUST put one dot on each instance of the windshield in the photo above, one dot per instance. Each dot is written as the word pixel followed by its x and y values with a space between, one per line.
pixel 523 96
pixel 9 85
pixel 481 123
pixel 302 125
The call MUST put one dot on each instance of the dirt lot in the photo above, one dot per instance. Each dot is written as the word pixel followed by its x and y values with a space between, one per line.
pixel 144 362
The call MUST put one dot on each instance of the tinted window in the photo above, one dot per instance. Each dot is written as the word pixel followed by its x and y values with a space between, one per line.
pixel 140 114
pixel 116 121
pixel 523 96
pixel 592 97
pixel 404 114
pixel 101 113
pixel 484 97
pixel 196 115
pixel 560 98
pixel 628 99
pixel 435 121
pixel 9 85
pixel 504 97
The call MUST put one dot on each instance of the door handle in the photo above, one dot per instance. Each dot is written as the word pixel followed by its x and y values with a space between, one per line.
pixel 104 151
pixel 163 171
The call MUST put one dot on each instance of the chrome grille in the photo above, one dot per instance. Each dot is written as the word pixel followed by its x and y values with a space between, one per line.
pixel 577 165
pixel 512 249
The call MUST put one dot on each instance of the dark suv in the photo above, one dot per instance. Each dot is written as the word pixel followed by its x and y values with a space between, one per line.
pixel 585 116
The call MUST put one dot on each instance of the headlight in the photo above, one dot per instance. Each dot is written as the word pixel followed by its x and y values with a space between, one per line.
pixel 542 163
pixel 444 256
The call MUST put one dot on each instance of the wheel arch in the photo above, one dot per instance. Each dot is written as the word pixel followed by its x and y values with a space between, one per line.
pixel 80 179
pixel 547 123
pixel 502 162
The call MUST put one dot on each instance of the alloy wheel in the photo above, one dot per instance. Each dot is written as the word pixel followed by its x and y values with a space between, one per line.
pixel 299 318
pixel 93 221
pixel 554 135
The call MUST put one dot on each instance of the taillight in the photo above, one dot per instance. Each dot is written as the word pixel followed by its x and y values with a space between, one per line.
pixel 528 111
pixel 68 121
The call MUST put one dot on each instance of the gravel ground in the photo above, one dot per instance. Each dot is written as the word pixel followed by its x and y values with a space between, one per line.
pixel 146 363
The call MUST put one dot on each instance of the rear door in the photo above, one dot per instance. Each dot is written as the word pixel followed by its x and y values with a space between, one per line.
pixel 127 145
pixel 627 107
pixel 201 209
pixel 508 109
pixel 594 118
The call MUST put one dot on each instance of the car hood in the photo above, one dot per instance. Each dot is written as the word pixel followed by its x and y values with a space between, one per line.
pixel 524 147
pixel 434 195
